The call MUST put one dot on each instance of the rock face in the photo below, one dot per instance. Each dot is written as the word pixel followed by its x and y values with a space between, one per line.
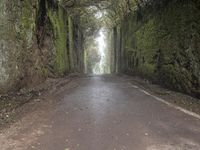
pixel 161 42
pixel 17 41
pixel 37 39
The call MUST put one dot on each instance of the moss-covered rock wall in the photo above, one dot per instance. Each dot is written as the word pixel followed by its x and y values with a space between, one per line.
pixel 17 29
pixel 162 43
pixel 67 39
pixel 36 38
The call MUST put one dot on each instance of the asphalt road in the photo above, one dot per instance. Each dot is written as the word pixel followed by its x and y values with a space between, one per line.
pixel 103 113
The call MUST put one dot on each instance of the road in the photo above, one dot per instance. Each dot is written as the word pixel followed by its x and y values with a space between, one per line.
pixel 103 113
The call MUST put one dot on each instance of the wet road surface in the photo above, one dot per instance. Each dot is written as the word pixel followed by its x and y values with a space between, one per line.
pixel 103 113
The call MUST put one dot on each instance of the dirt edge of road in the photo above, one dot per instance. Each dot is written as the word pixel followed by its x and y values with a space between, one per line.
pixel 15 104
pixel 178 99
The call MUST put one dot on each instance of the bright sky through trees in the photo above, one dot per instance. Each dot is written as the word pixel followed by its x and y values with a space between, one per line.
pixel 101 45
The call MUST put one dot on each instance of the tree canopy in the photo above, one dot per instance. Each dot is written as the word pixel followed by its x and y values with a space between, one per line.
pixel 92 14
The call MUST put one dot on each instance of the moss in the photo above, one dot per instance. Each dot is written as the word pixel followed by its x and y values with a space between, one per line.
pixel 175 78
pixel 17 37
pixel 34 42
pixel 59 24
pixel 71 43
pixel 164 45
pixel 27 28
pixel 147 70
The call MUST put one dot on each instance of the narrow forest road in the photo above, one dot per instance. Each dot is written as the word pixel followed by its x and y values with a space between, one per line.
pixel 103 113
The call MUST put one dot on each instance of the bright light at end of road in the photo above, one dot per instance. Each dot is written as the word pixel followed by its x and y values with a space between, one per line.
pixel 101 43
